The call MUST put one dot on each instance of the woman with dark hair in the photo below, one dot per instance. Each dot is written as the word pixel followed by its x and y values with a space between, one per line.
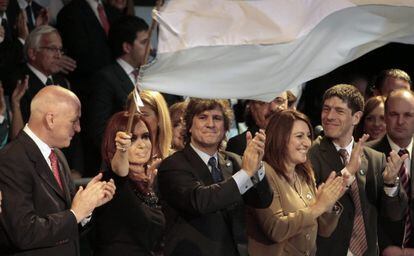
pixel 373 120
pixel 298 211
pixel 133 223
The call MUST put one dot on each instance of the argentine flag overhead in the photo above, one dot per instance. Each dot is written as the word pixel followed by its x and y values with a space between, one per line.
pixel 254 49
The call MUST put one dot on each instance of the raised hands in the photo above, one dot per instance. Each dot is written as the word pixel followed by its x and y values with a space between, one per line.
pixel 2 100
pixel 394 162
pixel 354 163
pixel 253 154
pixel 119 162
pixel 95 194
pixel 21 25
pixel 19 91
pixel 328 193
pixel 2 34
pixel 66 64
pixel 42 18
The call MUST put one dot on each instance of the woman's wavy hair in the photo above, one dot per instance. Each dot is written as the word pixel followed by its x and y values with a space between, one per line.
pixel 278 133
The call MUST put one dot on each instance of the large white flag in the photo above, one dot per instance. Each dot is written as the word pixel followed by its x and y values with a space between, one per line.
pixel 254 49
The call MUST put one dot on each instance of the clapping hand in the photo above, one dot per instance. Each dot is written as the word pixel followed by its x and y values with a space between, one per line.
pixel 254 152
pixel 394 162
pixel 66 64
pixel 42 18
pixel 2 100
pixel 21 25
pixel 328 193
pixel 354 163
pixel 19 91
pixel 95 194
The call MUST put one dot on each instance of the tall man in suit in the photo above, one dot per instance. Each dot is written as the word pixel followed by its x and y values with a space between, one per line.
pixel 203 187
pixel 112 84
pixel 367 196
pixel 40 209
pixel 257 116
pixel 394 237
pixel 84 26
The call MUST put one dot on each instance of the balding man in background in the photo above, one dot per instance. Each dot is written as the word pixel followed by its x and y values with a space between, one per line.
pixel 41 209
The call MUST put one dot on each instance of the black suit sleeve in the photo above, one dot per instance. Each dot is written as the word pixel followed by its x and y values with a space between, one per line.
pixel 184 191
pixel 100 107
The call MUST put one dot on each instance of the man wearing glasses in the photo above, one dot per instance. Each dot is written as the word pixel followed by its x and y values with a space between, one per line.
pixel 43 51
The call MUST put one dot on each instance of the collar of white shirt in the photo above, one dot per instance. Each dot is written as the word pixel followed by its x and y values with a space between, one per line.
pixel 39 74
pixel 43 147
pixel 348 148
pixel 204 156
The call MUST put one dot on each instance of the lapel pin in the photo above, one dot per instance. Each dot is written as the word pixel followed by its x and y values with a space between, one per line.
pixel 228 164
pixel 362 172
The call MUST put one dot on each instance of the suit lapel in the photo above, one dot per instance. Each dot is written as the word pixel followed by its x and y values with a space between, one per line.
pixel 199 168
pixel 64 169
pixel 225 165
pixel 331 156
pixel 126 85
pixel 361 179
pixel 92 22
pixel 41 166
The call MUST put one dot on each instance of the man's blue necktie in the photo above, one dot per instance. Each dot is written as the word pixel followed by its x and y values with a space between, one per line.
pixel 215 172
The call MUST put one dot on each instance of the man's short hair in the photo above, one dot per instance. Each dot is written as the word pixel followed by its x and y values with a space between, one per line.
pixel 393 73
pixel 124 30
pixel 393 94
pixel 347 93
pixel 196 106
pixel 33 40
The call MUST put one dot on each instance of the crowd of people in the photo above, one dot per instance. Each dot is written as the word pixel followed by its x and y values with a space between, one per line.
pixel 166 180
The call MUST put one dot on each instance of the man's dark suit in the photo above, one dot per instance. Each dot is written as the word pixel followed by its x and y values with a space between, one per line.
pixel 374 201
pixel 201 216
pixel 111 88
pixel 85 41
pixel 237 144
pixel 36 213
pixel 391 232
pixel 13 11
pixel 35 84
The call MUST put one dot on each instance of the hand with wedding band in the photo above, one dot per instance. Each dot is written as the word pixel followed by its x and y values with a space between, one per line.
pixel 122 141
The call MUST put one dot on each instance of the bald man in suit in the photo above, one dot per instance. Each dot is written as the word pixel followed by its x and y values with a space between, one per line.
pixel 41 209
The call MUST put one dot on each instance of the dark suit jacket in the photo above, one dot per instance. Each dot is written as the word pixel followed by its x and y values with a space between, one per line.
pixel 35 85
pixel 374 201
pixel 237 144
pixel 13 11
pixel 85 41
pixel 391 232
pixel 111 88
pixel 36 213
pixel 203 217
pixel 126 225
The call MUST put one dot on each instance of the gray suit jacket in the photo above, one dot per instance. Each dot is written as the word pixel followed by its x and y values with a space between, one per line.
pixel 374 201
pixel 204 218
pixel 36 217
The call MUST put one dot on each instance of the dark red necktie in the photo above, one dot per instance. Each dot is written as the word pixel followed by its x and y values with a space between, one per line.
pixel 103 18
pixel 405 183
pixel 358 244
pixel 55 167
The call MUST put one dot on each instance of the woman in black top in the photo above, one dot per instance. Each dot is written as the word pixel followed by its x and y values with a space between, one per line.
pixel 132 223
